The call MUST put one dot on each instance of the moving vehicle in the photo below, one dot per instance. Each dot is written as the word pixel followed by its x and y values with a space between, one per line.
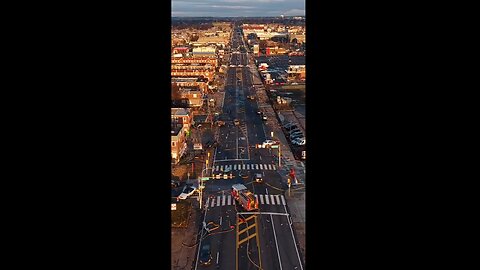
pixel 258 178
pixel 264 117
pixel 259 112
pixel 269 143
pixel 246 198
pixel 205 258
pixel 186 192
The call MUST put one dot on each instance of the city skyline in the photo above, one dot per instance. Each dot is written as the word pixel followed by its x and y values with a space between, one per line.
pixel 237 8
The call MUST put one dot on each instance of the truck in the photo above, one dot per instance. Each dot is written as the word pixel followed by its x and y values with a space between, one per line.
pixel 244 197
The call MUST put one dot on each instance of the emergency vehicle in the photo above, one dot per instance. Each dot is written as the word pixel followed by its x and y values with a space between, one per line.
pixel 244 197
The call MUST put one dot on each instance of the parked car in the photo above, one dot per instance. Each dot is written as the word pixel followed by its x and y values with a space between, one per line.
pixel 288 124
pixel 236 122
pixel 205 257
pixel 259 112
pixel 186 192
pixel 294 131
pixel 291 127
pixel 299 141
pixel 264 117
pixel 296 136
pixel 258 178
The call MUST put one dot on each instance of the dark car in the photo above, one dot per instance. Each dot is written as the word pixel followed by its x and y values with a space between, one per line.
pixel 205 257
pixel 175 184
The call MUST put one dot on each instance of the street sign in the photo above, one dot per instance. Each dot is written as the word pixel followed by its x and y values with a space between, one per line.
pixel 204 178
pixel 274 146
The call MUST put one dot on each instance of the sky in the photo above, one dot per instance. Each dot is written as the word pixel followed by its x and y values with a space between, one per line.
pixel 237 8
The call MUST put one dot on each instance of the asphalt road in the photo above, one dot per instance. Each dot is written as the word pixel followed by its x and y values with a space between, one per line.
pixel 276 247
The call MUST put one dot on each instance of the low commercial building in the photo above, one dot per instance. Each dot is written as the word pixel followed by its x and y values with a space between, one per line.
pixel 296 68
pixel 190 81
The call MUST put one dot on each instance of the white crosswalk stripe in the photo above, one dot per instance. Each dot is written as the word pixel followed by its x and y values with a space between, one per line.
pixel 274 167
pixel 235 166
pixel 256 197
pixel 248 166
pixel 270 166
pixel 283 200
pixel 223 200
pixel 218 200
pixel 213 203
pixel 228 200
pixel 256 166
pixel 208 200
pixel 221 167
pixel 266 200
pixel 278 199
pixel 272 199
pixel 261 167
pixel 217 168
pixel 261 198
pixel 243 167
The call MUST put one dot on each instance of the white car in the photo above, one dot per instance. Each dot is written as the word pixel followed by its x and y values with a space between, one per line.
pixel 187 192
pixel 299 141
pixel 269 143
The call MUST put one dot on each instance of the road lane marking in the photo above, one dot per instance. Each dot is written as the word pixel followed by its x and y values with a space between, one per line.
pixel 273 199
pixel 261 198
pixel 275 236
pixel 228 200
pixel 278 199
pixel 223 200
pixel 261 167
pixel 266 200
pixel 217 256
pixel 283 200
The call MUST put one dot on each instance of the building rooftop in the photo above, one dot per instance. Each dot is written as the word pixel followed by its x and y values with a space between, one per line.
pixel 175 129
pixel 179 112
pixel 296 60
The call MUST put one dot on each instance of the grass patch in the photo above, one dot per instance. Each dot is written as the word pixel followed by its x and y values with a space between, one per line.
pixel 180 216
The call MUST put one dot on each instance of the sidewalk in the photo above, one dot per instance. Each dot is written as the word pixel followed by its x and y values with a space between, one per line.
pixel 183 256
pixel 296 204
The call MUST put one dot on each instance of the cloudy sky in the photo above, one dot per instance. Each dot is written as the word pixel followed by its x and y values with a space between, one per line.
pixel 237 8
